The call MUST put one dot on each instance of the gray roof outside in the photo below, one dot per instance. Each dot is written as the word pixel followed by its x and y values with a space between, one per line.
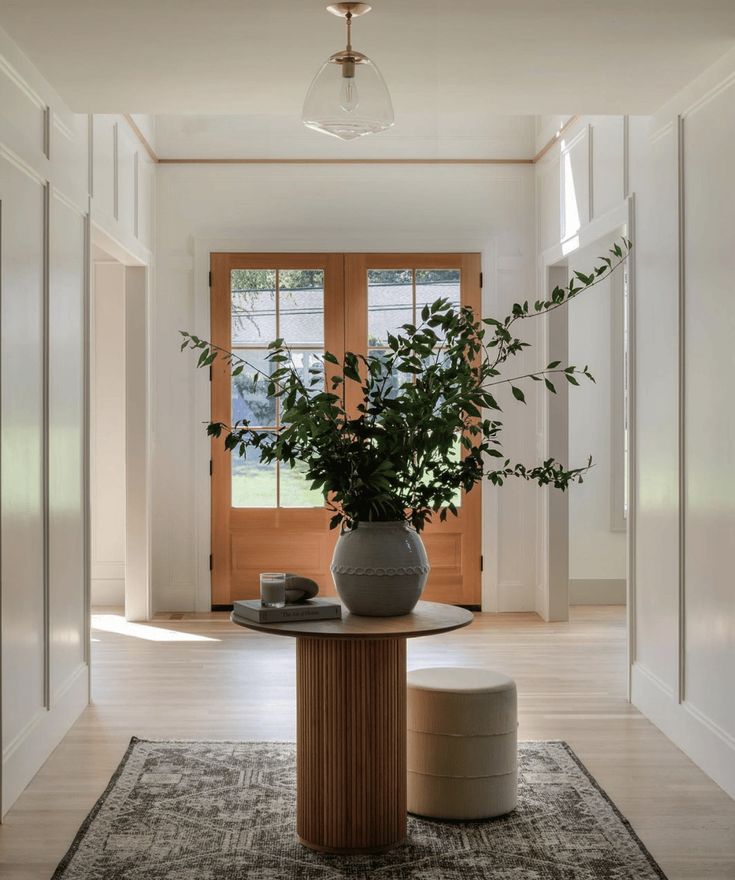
pixel 302 312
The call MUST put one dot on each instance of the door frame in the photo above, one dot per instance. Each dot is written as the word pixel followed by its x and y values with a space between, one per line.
pixel 550 596
pixel 139 393
pixel 204 247
pixel 220 322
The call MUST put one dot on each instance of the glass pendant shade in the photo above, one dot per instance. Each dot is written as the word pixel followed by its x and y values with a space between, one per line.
pixel 348 98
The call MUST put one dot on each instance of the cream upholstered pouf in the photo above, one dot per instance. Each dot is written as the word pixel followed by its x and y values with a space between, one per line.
pixel 462 743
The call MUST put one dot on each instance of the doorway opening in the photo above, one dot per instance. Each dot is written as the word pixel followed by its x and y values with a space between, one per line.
pixel 588 528
pixel 118 424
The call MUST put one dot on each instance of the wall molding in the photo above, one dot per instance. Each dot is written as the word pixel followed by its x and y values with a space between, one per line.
pixel 162 160
pixel 315 161
pixel 710 747
pixel 572 121
pixel 12 74
pixel 708 96
pixel 597 591
pixel 141 137
pixel 681 414
pixel 31 747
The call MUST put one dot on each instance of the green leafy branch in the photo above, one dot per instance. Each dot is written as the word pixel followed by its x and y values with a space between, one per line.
pixel 420 434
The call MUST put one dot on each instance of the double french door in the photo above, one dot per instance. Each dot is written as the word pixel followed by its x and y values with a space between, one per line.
pixel 265 516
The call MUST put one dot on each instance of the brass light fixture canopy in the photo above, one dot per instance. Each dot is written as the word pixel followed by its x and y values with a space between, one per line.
pixel 348 97
pixel 354 9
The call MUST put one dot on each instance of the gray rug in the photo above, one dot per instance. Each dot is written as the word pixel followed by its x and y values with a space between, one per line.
pixel 226 811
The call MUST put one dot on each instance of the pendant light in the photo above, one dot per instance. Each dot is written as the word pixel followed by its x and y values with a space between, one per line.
pixel 348 97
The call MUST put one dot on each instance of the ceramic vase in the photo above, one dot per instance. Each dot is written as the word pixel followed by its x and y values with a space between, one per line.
pixel 380 568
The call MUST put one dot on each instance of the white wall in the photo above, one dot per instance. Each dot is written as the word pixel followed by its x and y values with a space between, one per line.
pixel 44 204
pixel 307 208
pixel 678 167
pixel 597 552
pixel 107 433
pixel 44 300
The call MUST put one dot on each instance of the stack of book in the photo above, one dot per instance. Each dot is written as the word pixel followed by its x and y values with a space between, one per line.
pixel 312 609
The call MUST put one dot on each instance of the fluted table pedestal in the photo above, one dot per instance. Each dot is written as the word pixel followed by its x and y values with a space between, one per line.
pixel 351 724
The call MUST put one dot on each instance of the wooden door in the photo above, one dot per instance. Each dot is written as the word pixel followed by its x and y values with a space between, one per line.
pixel 385 291
pixel 265 517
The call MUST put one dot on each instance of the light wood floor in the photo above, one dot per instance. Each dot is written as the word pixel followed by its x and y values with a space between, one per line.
pixel 218 681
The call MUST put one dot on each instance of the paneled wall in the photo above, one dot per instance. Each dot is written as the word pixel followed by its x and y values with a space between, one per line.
pixel 45 177
pixel 44 204
pixel 677 166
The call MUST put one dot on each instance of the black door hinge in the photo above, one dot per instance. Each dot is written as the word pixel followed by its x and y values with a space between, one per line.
pixel 480 280
pixel 482 563
pixel 210 561
pixel 210 467
pixel 210 277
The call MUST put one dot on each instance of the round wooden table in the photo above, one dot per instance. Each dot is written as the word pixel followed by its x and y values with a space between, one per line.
pixel 351 724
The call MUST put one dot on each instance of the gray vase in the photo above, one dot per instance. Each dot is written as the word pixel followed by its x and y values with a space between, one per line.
pixel 380 568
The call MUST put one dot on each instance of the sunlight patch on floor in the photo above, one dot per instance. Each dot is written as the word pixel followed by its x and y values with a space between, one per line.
pixel 116 623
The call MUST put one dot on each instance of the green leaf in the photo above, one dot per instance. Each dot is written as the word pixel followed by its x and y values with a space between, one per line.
pixel 518 394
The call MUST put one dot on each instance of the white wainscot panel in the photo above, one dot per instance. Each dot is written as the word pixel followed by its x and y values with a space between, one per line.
pixel 709 199
pixel 547 201
pixel 146 189
pixel 103 164
pixel 22 107
pixel 126 180
pixel 575 182
pixel 654 180
pixel 66 423
pixel 70 154
pixel 22 204
pixel 608 163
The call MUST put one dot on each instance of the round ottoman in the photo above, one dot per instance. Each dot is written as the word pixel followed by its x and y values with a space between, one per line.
pixel 462 743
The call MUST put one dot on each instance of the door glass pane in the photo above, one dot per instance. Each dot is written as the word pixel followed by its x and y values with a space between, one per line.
pixel 433 284
pixel 253 303
pixel 250 398
pixel 310 368
pixel 253 482
pixel 390 302
pixel 393 300
pixel 397 378
pixel 301 306
pixel 295 488
pixel 267 304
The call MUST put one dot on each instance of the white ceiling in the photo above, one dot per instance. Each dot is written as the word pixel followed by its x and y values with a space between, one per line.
pixel 256 57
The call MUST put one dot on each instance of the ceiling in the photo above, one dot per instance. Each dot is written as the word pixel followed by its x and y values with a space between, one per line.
pixel 455 57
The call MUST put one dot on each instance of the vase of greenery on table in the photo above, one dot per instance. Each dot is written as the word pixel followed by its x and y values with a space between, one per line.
pixel 392 438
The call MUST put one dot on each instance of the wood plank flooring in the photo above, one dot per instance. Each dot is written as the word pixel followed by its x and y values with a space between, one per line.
pixel 199 677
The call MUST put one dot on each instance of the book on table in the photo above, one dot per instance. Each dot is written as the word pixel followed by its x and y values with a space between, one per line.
pixel 311 609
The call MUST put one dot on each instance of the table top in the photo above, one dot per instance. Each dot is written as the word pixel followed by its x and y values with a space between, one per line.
pixel 427 618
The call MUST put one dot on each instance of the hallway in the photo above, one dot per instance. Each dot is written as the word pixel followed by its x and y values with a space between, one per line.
pixel 187 676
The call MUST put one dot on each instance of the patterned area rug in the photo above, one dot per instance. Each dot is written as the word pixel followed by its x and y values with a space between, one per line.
pixel 226 811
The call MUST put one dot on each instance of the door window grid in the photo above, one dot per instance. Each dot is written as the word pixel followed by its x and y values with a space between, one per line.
pixel 426 286
pixel 250 484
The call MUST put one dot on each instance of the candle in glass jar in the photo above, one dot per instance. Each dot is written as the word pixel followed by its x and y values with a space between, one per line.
pixel 273 589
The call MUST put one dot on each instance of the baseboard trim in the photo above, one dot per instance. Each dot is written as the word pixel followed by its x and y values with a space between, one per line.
pixel 25 756
pixel 597 591
pixel 107 591
pixel 711 748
